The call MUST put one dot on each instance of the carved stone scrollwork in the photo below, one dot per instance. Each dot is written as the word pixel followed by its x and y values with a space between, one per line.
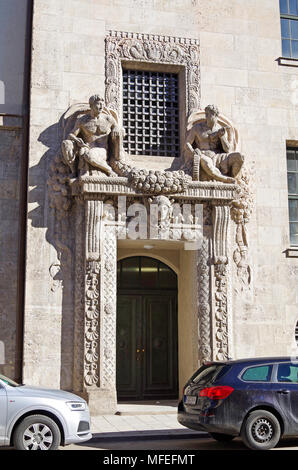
pixel 108 317
pixel 205 351
pixel 91 374
pixel 221 311
pixel 92 292
pixel 221 217
pixel 241 212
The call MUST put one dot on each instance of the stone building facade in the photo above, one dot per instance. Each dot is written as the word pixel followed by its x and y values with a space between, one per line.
pixel 113 312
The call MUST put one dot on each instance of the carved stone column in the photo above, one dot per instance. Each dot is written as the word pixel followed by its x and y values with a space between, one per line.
pixel 221 280
pixel 92 293
pixel 204 310
pixel 107 363
pixel 101 394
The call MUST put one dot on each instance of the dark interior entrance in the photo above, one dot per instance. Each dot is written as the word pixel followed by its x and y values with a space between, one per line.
pixel 147 349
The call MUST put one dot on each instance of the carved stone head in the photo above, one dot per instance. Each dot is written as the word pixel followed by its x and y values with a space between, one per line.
pixel 211 113
pixel 96 103
pixel 165 209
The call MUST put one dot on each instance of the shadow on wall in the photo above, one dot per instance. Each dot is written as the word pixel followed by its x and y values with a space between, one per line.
pixel 52 211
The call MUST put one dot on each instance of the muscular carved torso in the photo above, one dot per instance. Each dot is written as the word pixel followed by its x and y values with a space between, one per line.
pixel 95 130
pixel 207 139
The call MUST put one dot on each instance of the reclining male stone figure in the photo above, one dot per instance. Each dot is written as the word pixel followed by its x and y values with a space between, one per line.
pixel 209 142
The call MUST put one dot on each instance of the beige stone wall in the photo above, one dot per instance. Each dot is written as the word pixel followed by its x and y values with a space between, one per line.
pixel 240 45
pixel 13 72
pixel 11 138
pixel 240 42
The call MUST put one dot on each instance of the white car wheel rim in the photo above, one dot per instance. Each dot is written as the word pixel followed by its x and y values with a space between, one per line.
pixel 38 436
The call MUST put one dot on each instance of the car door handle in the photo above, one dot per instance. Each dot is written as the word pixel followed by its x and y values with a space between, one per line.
pixel 283 392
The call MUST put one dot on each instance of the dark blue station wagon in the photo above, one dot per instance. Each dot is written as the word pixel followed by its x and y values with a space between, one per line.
pixel 256 399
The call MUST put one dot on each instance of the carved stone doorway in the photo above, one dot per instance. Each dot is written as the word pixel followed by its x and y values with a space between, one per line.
pixel 147 330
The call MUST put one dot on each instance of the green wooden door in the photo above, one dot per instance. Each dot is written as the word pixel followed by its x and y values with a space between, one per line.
pixel 147 349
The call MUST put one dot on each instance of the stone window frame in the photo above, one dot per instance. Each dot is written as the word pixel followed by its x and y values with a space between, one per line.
pixel 156 53
pixel 292 196
pixel 288 15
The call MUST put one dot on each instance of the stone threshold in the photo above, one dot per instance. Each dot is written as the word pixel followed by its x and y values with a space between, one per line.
pixel 147 408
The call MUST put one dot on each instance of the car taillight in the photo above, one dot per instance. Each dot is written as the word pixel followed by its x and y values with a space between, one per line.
pixel 216 393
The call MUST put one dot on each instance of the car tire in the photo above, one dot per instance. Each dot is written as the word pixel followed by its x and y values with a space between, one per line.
pixel 37 432
pixel 261 430
pixel 221 437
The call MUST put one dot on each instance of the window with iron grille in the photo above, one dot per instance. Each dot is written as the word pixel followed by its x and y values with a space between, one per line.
pixel 292 163
pixel 151 113
pixel 289 28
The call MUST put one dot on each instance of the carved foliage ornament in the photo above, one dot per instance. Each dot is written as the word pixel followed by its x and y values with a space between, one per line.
pixel 91 323
pixel 221 215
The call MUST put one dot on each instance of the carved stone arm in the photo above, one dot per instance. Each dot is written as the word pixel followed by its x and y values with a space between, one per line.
pixel 225 143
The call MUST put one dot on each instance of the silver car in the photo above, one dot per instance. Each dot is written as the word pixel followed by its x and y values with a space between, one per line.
pixel 33 418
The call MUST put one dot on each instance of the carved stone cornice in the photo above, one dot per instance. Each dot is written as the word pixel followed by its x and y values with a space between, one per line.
pixel 149 48
pixel 94 186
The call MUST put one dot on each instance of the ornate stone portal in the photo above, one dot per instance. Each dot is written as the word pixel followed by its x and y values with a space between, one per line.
pixel 96 177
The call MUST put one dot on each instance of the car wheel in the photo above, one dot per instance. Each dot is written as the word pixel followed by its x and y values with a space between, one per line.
pixel 261 430
pixel 221 437
pixel 37 432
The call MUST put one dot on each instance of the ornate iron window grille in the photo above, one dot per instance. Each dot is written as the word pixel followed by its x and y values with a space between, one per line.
pixel 151 113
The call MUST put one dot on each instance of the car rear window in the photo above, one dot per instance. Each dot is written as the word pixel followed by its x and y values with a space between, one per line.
pixel 208 374
pixel 257 374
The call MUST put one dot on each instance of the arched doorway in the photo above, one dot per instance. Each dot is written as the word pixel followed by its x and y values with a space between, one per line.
pixel 147 331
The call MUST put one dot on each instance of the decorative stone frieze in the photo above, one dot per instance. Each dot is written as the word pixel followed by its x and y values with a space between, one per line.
pixel 151 49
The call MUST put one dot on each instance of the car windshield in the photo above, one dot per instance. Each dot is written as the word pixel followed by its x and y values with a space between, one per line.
pixel 8 381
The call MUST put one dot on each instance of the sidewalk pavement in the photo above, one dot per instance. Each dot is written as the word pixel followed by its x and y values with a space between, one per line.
pixel 139 420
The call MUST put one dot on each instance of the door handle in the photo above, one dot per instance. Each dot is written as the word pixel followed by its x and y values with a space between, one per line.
pixel 283 392
pixel 139 352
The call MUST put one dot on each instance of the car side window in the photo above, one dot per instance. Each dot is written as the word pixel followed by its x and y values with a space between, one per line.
pixel 287 372
pixel 257 374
